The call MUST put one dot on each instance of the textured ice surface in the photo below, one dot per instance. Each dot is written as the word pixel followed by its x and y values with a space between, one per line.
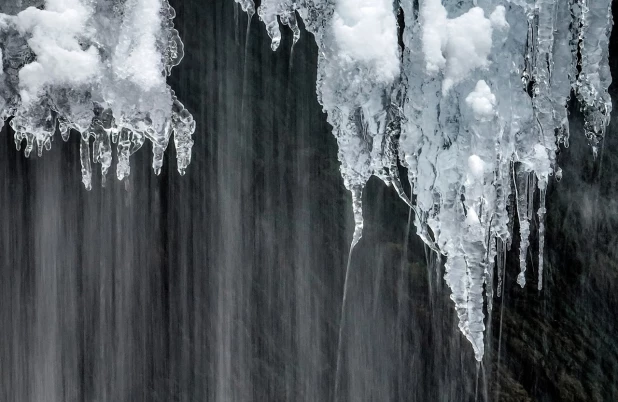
pixel 474 106
pixel 98 67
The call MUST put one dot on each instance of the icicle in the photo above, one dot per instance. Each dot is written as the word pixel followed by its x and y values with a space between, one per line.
pixel 541 213
pixel 100 130
pixel 84 151
pixel 247 6
pixel 542 95
pixel 594 18
pixel 65 131
pixel 158 130
pixel 183 127
pixel 268 13
pixel 288 17
pixel 500 264
pixel 489 273
pixel 564 68
pixel 37 124
pixel 30 140
pixel 123 168
pixel 532 184
pixel 357 209
pixel 286 10
pixel 19 137
pixel 522 180
pixel 158 150
pixel 466 282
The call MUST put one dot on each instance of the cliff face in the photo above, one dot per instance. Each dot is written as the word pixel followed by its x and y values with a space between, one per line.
pixel 226 284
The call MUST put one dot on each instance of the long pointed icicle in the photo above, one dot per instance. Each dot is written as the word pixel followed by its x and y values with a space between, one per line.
pixel 522 180
pixel 541 213
pixel 357 209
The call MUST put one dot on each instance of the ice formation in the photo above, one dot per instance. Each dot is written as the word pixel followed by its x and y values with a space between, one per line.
pixel 474 106
pixel 98 67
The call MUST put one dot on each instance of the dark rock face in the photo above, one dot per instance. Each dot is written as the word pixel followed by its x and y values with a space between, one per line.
pixel 226 284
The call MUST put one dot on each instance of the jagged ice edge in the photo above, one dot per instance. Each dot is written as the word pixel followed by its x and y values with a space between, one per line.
pixel 476 112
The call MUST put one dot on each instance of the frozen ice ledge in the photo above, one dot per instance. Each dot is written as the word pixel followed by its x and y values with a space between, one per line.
pixel 99 68
pixel 473 105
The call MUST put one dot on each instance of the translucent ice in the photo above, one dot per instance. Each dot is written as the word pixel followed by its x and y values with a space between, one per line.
pixel 474 105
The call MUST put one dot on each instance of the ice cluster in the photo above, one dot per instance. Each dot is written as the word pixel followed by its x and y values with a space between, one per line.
pixel 97 67
pixel 473 105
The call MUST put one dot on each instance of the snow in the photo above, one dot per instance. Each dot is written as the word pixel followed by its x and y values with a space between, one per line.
pixel 54 38
pixel 472 217
pixel 136 57
pixel 366 31
pixel 482 101
pixel 498 18
pixel 476 166
pixel 460 45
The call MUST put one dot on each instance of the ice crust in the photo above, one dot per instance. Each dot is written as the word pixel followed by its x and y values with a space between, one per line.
pixel 97 67
pixel 474 106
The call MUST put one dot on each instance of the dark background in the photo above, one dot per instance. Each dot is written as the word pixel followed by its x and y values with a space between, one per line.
pixel 226 284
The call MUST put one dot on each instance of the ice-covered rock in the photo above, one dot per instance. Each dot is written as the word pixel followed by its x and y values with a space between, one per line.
pixel 98 67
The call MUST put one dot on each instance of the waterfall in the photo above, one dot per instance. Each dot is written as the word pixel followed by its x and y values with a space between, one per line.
pixel 463 108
